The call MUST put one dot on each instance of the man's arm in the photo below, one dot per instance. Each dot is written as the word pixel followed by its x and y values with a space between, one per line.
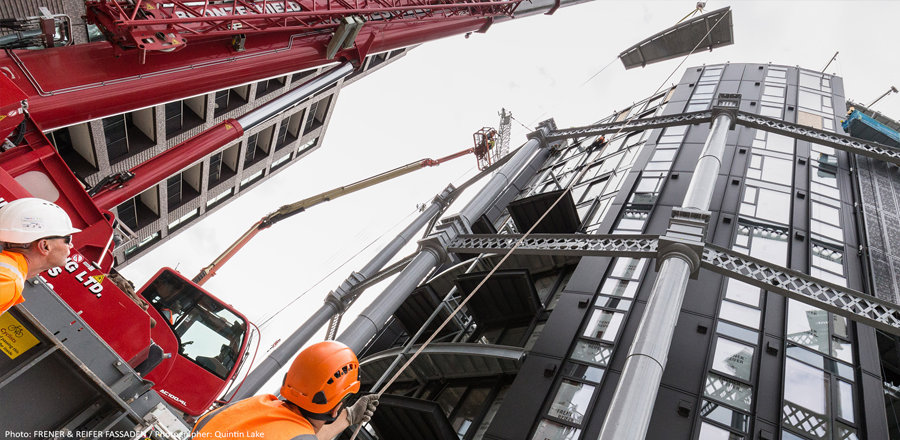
pixel 331 430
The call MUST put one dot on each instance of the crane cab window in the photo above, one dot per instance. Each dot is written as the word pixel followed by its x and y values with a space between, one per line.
pixel 208 333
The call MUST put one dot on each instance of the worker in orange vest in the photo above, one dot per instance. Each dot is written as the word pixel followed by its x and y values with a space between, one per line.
pixel 316 388
pixel 36 235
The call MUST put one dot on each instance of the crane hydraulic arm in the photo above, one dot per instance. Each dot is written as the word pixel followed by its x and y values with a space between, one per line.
pixel 297 207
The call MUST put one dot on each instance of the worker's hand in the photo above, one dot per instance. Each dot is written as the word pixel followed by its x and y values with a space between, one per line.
pixel 362 410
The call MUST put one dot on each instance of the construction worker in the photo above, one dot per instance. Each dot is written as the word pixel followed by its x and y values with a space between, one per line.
pixel 36 235
pixel 315 389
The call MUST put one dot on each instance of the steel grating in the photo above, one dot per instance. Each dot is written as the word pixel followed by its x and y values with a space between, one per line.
pixel 638 246
pixel 839 300
pixel 841 142
pixel 842 301
pixel 631 125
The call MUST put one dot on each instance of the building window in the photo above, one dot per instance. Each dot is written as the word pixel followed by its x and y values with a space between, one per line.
pixel 218 199
pixel 129 134
pixel 183 220
pixel 270 85
pixel 258 145
pixel 289 130
pixel 76 146
pixel 141 210
pixel 251 179
pixel 184 115
pixel 223 165
pixel 230 99
pixel 300 77
pixel 183 187
pixel 317 113
pixel 307 147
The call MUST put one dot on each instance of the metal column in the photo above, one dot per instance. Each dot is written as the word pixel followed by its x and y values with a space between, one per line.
pixel 629 412
pixel 433 249
pixel 336 301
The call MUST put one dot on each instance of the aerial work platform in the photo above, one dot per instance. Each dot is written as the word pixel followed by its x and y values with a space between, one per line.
pixel 708 31
pixel 863 126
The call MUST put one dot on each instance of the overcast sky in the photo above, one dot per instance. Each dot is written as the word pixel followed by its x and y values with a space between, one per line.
pixel 430 102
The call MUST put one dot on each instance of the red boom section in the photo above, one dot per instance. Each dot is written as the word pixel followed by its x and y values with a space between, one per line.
pixel 78 83
pixel 151 172
pixel 170 25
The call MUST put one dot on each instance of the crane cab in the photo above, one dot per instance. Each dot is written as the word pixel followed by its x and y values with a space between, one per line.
pixel 202 339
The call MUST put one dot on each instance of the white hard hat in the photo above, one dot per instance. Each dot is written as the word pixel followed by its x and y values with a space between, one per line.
pixel 28 219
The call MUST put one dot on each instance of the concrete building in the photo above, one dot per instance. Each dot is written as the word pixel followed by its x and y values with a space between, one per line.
pixel 104 147
pixel 538 352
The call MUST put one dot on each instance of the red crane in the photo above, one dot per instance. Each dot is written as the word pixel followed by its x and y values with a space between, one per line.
pixel 160 52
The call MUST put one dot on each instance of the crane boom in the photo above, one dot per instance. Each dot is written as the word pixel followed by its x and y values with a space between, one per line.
pixel 301 205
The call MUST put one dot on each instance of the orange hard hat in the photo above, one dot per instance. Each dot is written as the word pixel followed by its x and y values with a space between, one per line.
pixel 321 376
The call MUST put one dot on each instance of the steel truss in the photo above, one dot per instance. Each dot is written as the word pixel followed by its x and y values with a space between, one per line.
pixel 802 132
pixel 857 306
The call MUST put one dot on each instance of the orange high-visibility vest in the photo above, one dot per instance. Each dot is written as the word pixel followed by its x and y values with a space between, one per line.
pixel 13 269
pixel 263 417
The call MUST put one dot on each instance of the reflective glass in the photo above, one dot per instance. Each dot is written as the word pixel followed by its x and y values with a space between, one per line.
pixel 612 303
pixel 773 205
pixel 725 415
pixel 618 287
pixel 710 432
pixel 770 245
pixel 771 90
pixel 737 332
pixel 844 401
pixel 592 352
pixel 604 325
pixel 805 386
pixel 733 358
pixel 825 213
pixel 810 100
pixel 583 372
pixel 807 326
pixel 742 292
pixel 772 112
pixel 550 430
pixel 810 81
pixel 739 314
pixel 728 391
pixel 776 170
pixel 628 268
pixel 571 401
pixel 842 350
pixel 777 142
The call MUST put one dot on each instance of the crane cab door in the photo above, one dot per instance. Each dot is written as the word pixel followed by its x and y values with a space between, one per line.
pixel 202 338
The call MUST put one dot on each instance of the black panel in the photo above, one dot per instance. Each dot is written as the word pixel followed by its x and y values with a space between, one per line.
pixel 562 326
pixel 562 219
pixel 523 401
pixel 688 353
pixel 418 307
pixel 506 299
pixel 405 418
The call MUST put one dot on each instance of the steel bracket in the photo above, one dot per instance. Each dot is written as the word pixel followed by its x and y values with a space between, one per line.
pixel 727 104
pixel 449 228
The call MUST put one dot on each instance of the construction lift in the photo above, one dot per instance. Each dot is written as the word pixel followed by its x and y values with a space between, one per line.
pixel 297 207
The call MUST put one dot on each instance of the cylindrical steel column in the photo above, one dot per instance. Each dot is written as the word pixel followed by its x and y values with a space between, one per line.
pixel 629 412
pixel 284 102
pixel 293 343
pixel 283 353
pixel 373 318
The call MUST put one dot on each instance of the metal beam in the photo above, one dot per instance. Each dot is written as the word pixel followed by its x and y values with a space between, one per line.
pixel 631 125
pixel 857 306
pixel 834 140
pixel 838 141
pixel 579 245
pixel 842 301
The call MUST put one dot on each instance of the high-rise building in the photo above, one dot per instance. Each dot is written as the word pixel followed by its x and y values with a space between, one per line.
pixel 539 351
pixel 104 147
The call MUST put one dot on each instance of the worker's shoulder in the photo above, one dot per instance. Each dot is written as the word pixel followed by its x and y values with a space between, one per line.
pixel 13 260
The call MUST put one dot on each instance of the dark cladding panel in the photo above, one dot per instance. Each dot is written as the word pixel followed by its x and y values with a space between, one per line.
pixel 506 299
pixel 707 31
pixel 405 418
pixel 522 404
pixel 561 219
